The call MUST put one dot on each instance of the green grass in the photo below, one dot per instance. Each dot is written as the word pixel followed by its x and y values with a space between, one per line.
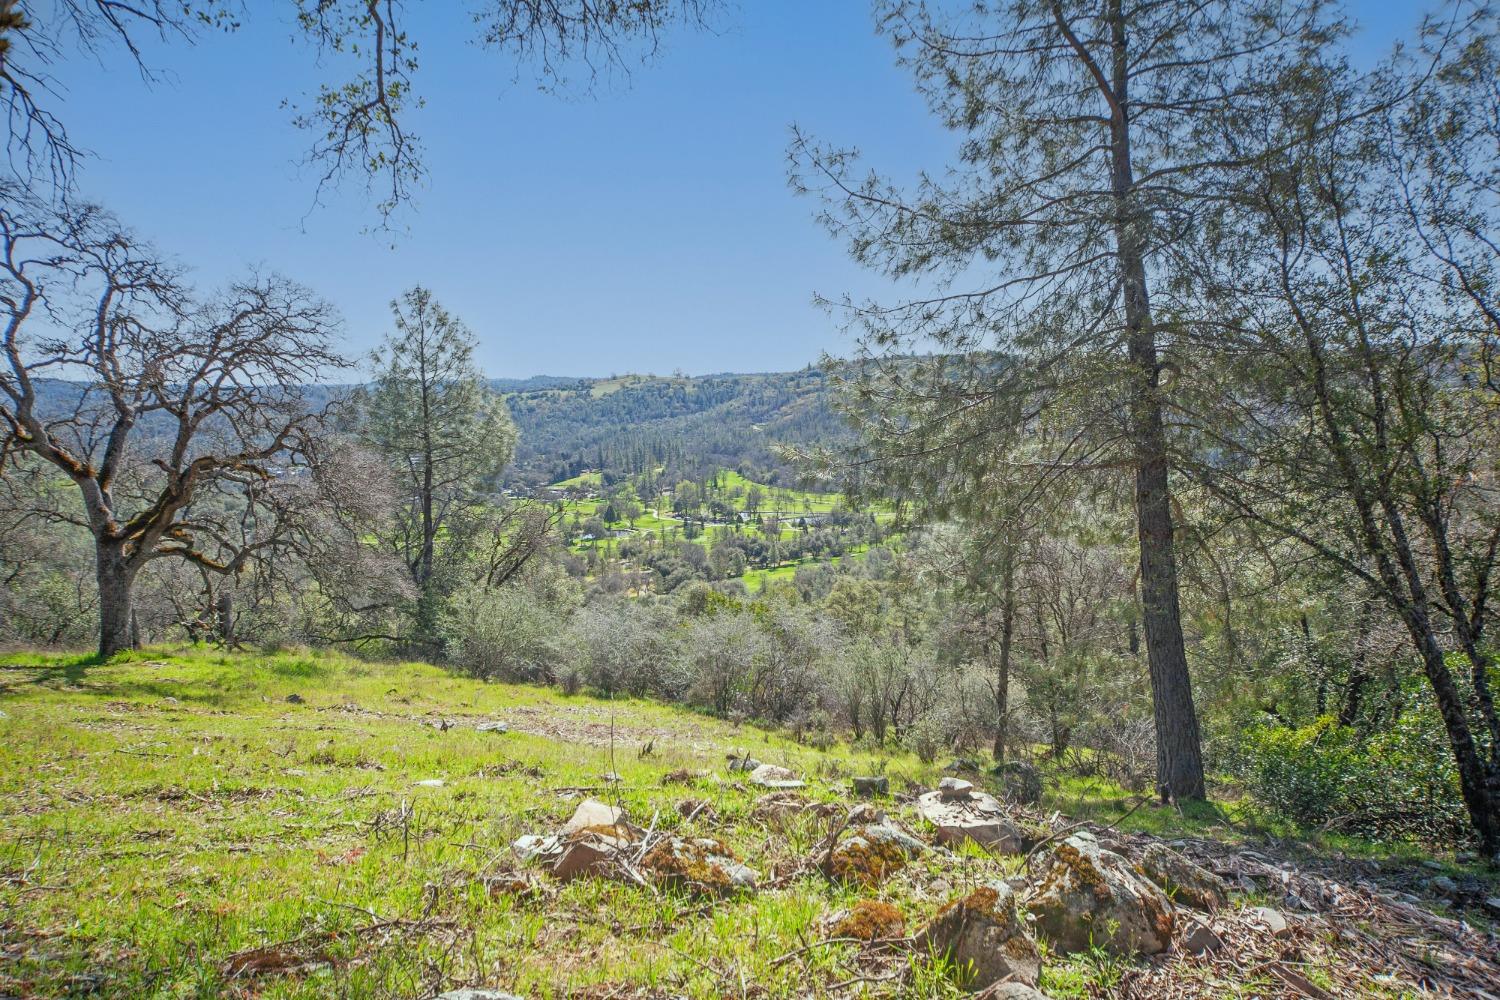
pixel 165 811
pixel 169 810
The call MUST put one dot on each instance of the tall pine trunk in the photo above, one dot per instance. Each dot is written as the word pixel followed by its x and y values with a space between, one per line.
pixel 116 579
pixel 1179 754
pixel 1002 678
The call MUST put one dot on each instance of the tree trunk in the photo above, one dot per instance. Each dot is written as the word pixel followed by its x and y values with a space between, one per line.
pixel 116 601
pixel 1002 679
pixel 1478 783
pixel 225 607
pixel 1179 753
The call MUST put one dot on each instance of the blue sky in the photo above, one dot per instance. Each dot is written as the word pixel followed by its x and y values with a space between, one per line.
pixel 647 228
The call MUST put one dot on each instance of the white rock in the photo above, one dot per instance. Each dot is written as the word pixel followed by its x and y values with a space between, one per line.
pixel 954 788
pixel 979 817
pixel 772 776
pixel 592 812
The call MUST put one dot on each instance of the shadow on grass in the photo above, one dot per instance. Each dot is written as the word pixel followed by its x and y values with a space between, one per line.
pixel 79 674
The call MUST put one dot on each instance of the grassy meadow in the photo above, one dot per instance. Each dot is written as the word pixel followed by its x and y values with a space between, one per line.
pixel 182 822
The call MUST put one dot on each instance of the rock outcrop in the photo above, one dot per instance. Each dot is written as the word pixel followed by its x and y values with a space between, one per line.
pixel 960 813
pixel 1089 896
pixel 1186 882
pixel 868 855
pixel 985 936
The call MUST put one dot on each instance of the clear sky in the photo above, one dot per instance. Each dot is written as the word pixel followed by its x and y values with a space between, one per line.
pixel 647 228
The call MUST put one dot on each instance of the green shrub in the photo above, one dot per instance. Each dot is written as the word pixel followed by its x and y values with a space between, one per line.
pixel 1399 783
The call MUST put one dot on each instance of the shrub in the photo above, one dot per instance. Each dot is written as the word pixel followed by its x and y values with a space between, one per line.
pixel 507 634
pixel 1399 783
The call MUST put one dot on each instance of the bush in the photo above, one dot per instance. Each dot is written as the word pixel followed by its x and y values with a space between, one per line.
pixel 1399 783
pixel 507 634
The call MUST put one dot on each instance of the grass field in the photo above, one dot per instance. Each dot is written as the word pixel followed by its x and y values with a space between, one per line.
pixel 187 823
pixel 168 812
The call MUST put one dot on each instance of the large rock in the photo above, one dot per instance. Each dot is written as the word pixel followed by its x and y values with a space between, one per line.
pixel 1090 896
pixel 868 855
pixel 1184 881
pixel 985 937
pixel 955 789
pixel 591 852
pixel 772 776
pixel 964 814
pixel 699 864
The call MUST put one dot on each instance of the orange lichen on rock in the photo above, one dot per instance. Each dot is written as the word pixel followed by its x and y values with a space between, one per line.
pixel 870 920
pixel 864 863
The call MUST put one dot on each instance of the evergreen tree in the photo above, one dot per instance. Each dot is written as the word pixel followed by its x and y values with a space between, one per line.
pixel 446 435
pixel 1092 132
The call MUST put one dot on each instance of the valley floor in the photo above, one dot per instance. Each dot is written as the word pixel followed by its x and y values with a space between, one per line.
pixel 184 823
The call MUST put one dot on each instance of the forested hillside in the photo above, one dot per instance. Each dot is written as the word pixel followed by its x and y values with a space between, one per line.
pixel 686 427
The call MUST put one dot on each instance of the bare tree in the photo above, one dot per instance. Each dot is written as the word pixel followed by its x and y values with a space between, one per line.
pixel 179 420
pixel 358 121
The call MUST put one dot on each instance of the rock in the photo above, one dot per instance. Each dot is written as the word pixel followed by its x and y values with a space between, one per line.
pixel 698 864
pixel 772 776
pixel 477 995
pixel 868 855
pixel 1186 883
pixel 1021 781
pixel 610 778
pixel 1272 920
pixel 950 789
pixel 985 938
pixel 533 846
pixel 742 763
pixel 869 920
pixel 1443 886
pixel 431 783
pixel 492 727
pixel 978 817
pixel 1011 991
pixel 291 699
pixel 877 785
pixel 593 813
pixel 1436 866
pixel 1090 896
pixel 1198 938
pixel 590 852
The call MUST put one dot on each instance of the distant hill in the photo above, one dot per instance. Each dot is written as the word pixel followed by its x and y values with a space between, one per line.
pixel 683 427
pixel 686 425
